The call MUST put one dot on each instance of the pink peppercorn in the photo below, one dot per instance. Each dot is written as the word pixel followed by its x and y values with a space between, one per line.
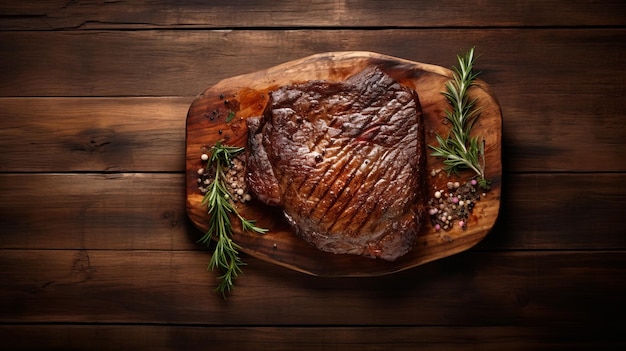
pixel 437 227
pixel 474 182
pixel 461 224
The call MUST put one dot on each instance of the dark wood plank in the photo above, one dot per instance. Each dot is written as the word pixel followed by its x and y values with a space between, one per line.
pixel 147 134
pixel 110 211
pixel 49 15
pixel 147 211
pixel 514 62
pixel 102 134
pixel 544 211
pixel 470 289
pixel 576 129
pixel 563 133
pixel 108 260
pixel 596 336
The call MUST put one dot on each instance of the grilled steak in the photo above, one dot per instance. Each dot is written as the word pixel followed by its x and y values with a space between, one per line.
pixel 345 162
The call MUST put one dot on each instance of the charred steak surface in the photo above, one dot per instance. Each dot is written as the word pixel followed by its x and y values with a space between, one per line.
pixel 345 161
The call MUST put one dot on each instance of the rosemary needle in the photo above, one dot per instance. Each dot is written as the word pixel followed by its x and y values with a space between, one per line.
pixel 217 199
pixel 460 150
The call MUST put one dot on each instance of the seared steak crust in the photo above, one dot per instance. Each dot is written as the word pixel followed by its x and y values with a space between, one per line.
pixel 344 161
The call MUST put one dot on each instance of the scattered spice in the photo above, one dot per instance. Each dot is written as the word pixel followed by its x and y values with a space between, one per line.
pixel 453 204
pixel 234 179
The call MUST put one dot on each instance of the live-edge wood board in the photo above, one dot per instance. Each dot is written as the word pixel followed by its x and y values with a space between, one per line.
pixel 210 119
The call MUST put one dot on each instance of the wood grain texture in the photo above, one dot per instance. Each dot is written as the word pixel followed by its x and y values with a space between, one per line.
pixel 59 14
pixel 123 211
pixel 148 134
pixel 147 212
pixel 576 129
pixel 471 288
pixel 599 336
pixel 280 245
pixel 92 134
pixel 184 63
pixel 95 248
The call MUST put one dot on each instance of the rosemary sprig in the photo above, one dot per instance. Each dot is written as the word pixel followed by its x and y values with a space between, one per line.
pixel 459 149
pixel 217 199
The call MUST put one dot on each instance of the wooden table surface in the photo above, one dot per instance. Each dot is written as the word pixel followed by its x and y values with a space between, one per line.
pixel 96 251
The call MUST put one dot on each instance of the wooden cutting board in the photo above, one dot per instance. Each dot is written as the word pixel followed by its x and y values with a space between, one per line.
pixel 210 119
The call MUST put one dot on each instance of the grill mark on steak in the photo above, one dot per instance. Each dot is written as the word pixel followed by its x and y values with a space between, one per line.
pixel 357 169
pixel 334 198
pixel 367 134
pixel 346 159
pixel 361 222
pixel 329 169
pixel 331 175
pixel 343 150
pixel 299 182
pixel 362 217
pixel 356 105
pixel 355 164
